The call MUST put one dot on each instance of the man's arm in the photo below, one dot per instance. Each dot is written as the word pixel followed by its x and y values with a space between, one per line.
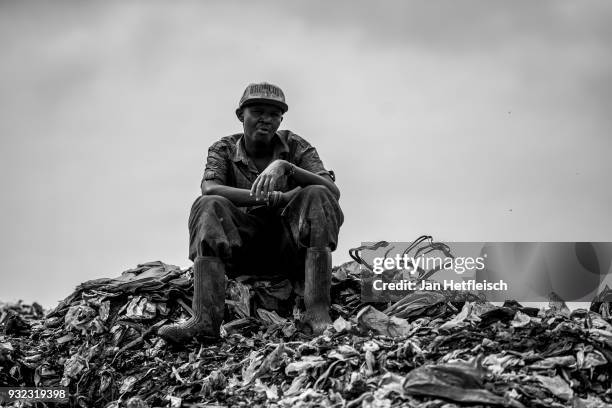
pixel 268 178
pixel 242 197
pixel 304 177
pixel 239 196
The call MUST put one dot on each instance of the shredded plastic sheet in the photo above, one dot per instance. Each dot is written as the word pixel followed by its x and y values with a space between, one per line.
pixel 458 381
pixel 426 350
pixel 371 319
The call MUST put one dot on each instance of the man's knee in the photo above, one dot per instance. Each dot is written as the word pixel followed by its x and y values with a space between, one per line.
pixel 207 205
pixel 211 227
pixel 209 210
pixel 211 201
pixel 319 208
pixel 315 194
pixel 316 189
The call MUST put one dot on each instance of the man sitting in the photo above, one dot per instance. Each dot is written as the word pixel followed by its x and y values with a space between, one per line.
pixel 269 206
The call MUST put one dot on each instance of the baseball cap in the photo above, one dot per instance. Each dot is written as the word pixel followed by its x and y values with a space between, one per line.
pixel 263 92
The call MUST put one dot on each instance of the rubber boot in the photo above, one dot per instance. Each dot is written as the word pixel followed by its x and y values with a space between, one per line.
pixel 208 304
pixel 317 289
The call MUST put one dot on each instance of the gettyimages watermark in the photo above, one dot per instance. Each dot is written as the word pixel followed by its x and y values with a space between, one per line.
pixel 497 271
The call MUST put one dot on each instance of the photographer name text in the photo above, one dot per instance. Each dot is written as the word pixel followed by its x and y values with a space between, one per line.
pixel 467 285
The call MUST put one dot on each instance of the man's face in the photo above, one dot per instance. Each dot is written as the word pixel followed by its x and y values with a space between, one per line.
pixel 261 121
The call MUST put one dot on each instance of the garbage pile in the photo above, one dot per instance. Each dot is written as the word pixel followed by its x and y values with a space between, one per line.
pixel 427 350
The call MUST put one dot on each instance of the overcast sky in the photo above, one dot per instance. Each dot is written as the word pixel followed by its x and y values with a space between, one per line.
pixel 465 120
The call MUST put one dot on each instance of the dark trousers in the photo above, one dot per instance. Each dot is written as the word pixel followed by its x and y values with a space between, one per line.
pixel 263 241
